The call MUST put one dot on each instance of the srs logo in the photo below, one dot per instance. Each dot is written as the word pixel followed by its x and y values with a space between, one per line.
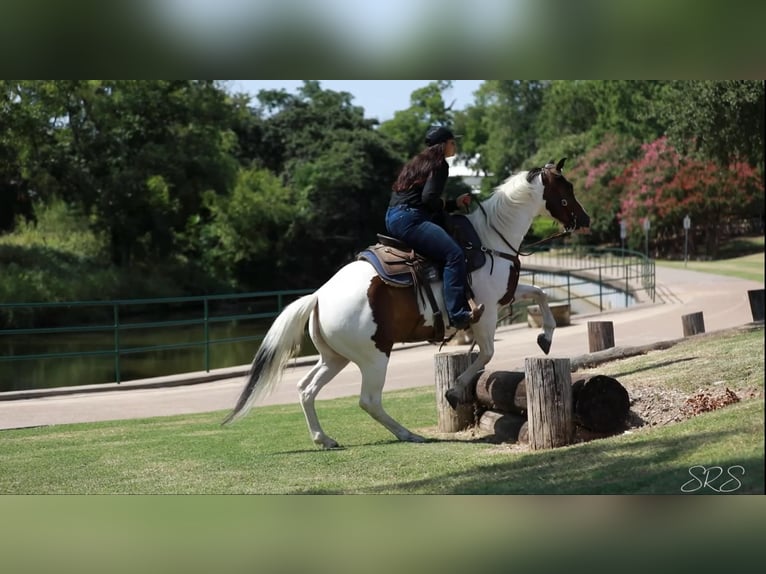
pixel 714 478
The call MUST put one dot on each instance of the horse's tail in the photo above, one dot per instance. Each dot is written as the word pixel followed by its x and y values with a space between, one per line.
pixel 282 340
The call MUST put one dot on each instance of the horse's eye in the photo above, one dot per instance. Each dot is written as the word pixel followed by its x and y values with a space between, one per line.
pixel 563 203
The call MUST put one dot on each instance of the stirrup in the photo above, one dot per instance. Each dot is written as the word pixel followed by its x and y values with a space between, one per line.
pixel 476 313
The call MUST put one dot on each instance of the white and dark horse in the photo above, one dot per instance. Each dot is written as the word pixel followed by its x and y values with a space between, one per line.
pixel 356 317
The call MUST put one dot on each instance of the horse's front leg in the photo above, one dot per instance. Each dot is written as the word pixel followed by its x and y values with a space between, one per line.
pixel 484 334
pixel 545 338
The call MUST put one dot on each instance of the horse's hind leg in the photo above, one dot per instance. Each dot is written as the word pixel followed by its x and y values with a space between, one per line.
pixel 329 365
pixel 371 398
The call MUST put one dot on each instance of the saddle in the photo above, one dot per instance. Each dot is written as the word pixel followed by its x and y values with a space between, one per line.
pixel 398 265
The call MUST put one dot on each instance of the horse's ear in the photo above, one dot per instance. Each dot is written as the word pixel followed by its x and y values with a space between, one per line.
pixel 551 162
pixel 560 165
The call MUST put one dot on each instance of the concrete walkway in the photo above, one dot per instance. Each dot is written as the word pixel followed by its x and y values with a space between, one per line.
pixel 723 301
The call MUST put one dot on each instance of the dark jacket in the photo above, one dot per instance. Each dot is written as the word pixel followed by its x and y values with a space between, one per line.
pixel 428 195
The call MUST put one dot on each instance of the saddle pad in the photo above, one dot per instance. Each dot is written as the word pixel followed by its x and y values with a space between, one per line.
pixel 399 280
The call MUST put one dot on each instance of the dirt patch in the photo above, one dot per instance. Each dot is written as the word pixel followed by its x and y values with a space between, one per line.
pixel 652 407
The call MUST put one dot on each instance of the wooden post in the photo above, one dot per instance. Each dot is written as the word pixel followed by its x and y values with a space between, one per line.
pixel 600 335
pixel 447 368
pixel 756 303
pixel 693 324
pixel 549 402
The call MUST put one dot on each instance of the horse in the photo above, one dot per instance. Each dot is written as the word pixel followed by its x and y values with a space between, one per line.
pixel 357 317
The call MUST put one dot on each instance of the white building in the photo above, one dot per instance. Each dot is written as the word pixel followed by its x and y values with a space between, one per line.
pixel 462 168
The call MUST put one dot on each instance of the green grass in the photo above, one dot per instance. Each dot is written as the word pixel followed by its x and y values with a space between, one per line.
pixel 269 452
pixel 739 260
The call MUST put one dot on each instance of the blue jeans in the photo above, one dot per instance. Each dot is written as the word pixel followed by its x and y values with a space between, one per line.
pixel 414 227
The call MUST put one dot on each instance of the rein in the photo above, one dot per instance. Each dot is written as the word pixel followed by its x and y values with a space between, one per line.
pixel 517 252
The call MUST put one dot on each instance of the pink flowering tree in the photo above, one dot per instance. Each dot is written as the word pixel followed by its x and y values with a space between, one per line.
pixel 664 186
pixel 595 177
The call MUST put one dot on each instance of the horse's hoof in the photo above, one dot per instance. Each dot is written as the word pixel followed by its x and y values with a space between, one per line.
pixel 452 399
pixel 327 443
pixel 543 343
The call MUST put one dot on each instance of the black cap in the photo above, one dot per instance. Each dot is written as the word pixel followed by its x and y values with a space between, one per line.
pixel 438 134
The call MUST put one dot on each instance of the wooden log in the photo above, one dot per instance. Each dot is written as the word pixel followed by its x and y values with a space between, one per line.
pixel 600 404
pixel 756 297
pixel 447 368
pixel 504 426
pixel 693 324
pixel 600 335
pixel 502 391
pixel 549 402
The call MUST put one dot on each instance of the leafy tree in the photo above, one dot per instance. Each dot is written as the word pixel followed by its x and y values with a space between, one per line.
pixel 722 120
pixel 246 236
pixel 500 127
pixel 594 176
pixel 137 155
pixel 665 186
pixel 408 127
pixel 347 191
pixel 339 171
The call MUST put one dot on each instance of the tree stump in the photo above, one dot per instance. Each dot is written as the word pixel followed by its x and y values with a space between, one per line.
pixel 505 426
pixel 693 324
pixel 601 404
pixel 447 368
pixel 756 303
pixel 502 391
pixel 600 335
pixel 549 402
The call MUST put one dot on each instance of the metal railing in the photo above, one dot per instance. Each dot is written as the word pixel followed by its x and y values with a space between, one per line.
pixel 122 311
pixel 596 276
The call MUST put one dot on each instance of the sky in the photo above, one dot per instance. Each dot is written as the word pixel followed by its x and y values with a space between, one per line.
pixel 379 98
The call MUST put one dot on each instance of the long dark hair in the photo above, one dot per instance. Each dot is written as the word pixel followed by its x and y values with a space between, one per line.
pixel 416 171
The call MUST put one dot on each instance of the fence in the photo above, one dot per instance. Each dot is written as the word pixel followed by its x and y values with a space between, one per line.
pixel 571 275
pixel 127 315
pixel 602 278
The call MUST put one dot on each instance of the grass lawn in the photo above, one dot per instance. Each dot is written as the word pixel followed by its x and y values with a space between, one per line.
pixel 749 266
pixel 269 452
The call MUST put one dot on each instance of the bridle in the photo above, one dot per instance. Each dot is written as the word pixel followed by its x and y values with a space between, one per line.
pixel 549 170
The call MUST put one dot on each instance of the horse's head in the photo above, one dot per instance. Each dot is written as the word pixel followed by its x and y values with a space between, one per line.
pixel 560 200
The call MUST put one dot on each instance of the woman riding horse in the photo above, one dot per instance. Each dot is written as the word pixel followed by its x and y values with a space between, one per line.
pixel 414 213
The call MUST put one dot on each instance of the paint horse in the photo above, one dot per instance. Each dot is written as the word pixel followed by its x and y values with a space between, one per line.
pixel 357 317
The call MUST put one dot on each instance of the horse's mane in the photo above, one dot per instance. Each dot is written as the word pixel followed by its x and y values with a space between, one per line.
pixel 513 198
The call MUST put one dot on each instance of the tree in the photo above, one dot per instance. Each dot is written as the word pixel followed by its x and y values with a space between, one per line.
pixel 140 154
pixel 407 128
pixel 338 171
pixel 665 186
pixel 500 127
pixel 595 176
pixel 247 231
pixel 722 120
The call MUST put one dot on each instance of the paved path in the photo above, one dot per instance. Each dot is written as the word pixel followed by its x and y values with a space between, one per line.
pixel 723 301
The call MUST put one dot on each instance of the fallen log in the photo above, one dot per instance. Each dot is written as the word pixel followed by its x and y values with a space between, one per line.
pixel 615 353
pixel 504 426
pixel 502 391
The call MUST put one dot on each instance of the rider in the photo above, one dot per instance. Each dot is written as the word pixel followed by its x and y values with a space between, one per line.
pixel 417 204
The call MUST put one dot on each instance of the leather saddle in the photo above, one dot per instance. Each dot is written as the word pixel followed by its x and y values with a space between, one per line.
pixel 398 265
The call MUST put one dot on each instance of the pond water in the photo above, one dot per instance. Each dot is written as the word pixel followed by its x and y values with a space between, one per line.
pixel 89 370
